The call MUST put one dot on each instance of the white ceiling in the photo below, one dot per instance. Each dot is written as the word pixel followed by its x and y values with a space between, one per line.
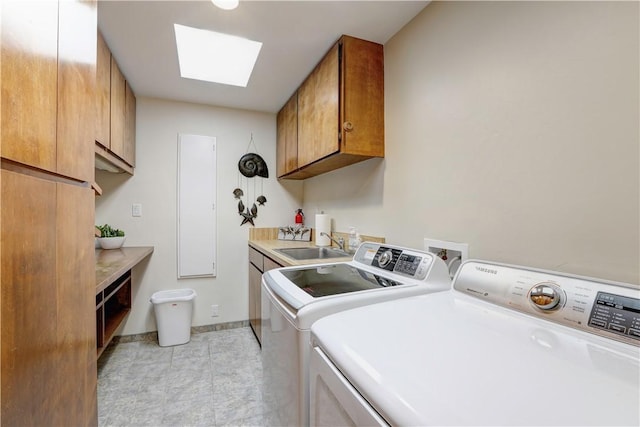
pixel 295 36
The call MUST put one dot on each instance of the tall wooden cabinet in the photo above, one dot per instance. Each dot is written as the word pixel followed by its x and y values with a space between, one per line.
pixel 339 112
pixel 47 267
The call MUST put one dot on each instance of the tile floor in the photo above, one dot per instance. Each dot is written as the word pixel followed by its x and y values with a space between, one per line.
pixel 214 380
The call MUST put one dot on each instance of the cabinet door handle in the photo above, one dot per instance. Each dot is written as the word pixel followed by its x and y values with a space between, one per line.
pixel 347 126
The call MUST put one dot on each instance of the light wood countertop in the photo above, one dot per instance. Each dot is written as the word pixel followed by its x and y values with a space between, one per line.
pixel 113 263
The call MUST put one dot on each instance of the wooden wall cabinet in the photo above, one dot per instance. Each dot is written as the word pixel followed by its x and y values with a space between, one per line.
pixel 258 264
pixel 116 121
pixel 340 112
pixel 47 265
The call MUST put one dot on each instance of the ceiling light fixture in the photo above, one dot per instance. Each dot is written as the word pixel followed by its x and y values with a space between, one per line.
pixel 215 57
pixel 226 4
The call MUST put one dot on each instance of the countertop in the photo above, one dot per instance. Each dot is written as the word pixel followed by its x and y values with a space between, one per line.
pixel 267 247
pixel 113 263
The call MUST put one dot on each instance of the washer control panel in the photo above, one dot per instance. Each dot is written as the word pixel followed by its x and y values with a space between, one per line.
pixel 601 307
pixel 402 261
pixel 408 264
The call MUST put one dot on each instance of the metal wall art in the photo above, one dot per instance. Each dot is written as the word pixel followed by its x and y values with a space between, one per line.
pixel 250 165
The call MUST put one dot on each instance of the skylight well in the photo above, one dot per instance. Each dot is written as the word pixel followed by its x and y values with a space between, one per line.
pixel 215 57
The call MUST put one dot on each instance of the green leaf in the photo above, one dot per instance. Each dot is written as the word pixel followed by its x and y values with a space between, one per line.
pixel 107 231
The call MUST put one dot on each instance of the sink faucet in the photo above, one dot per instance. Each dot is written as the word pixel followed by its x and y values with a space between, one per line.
pixel 339 242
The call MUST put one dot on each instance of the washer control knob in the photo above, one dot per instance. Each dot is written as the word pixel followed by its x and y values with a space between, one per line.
pixel 385 258
pixel 547 296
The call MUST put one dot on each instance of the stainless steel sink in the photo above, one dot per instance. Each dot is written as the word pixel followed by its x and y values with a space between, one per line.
pixel 312 253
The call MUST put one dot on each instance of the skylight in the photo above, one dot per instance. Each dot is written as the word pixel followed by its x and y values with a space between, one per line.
pixel 215 57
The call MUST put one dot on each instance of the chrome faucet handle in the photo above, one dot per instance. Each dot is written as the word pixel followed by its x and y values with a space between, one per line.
pixel 339 242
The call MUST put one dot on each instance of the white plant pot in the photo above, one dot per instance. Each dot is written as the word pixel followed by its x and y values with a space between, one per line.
pixel 111 242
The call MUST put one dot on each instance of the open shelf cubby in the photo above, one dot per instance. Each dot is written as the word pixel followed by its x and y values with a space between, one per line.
pixel 112 306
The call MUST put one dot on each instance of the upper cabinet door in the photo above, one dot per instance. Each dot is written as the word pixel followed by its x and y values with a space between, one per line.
pixel 29 42
pixel 362 110
pixel 103 89
pixel 129 125
pixel 78 21
pixel 318 110
pixel 117 109
pixel 287 130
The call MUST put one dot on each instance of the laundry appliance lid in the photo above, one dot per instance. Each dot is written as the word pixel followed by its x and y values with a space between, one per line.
pixel 450 359
pixel 301 286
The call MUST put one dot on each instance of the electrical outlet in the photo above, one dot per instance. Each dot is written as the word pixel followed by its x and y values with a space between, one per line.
pixel 456 253
pixel 136 209
pixel 215 312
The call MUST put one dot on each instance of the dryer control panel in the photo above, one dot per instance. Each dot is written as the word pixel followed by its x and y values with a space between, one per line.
pixel 616 313
pixel 601 307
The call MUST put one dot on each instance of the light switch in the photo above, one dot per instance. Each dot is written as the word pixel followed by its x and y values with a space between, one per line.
pixel 136 209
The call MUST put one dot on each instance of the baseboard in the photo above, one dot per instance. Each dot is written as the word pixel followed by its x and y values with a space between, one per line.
pixel 153 336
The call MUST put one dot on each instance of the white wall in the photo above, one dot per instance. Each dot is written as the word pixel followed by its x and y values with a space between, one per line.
pixel 154 186
pixel 513 126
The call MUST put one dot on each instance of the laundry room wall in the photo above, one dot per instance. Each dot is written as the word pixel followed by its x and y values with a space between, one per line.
pixel 512 126
pixel 154 186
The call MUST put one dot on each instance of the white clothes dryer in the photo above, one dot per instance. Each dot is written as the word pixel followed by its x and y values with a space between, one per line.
pixel 293 298
pixel 507 345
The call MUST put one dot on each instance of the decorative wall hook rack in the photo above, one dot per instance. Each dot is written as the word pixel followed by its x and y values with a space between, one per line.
pixel 250 165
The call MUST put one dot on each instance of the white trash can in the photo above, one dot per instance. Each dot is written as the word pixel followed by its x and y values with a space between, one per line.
pixel 173 310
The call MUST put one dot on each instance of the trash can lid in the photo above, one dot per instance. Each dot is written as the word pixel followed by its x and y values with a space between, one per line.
pixel 173 295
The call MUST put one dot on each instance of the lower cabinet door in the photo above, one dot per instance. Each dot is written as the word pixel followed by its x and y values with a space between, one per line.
pixel 255 278
pixel 76 287
pixel 29 299
pixel 47 311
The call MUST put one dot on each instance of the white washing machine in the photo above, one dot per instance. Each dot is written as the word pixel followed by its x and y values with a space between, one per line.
pixel 293 298
pixel 507 345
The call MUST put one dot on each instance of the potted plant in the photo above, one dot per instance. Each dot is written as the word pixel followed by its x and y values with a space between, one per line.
pixel 110 238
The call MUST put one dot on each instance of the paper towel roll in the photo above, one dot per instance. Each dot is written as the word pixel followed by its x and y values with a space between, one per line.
pixel 323 224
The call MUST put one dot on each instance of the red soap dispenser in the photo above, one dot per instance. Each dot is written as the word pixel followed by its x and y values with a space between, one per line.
pixel 299 217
